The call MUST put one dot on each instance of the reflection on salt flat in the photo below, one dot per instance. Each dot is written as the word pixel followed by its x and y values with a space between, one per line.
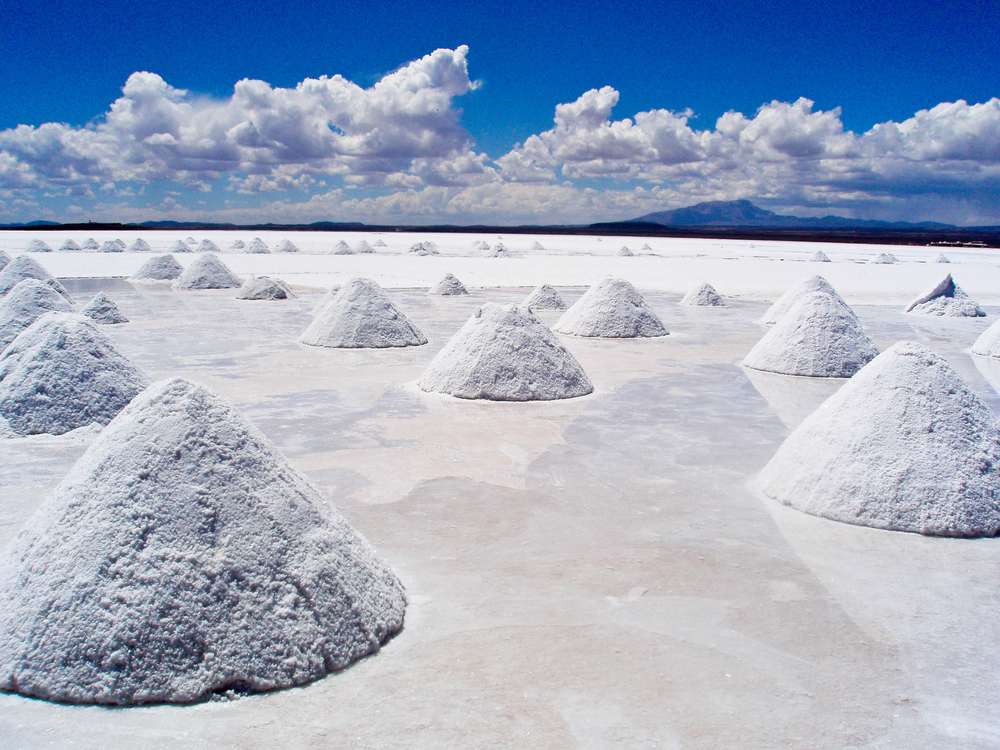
pixel 793 398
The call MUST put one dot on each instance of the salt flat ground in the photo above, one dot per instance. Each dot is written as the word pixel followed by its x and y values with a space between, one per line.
pixel 591 573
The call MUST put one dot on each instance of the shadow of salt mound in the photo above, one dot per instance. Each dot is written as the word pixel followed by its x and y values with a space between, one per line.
pixel 791 397
pixel 989 368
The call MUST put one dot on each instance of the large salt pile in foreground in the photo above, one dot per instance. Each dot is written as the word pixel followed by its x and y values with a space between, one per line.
pixel 159 268
pixel 70 247
pixel 207 272
pixel 183 556
pixel 504 353
pixel 883 259
pixel 326 299
pixel 26 303
pixel 819 337
pixel 820 257
pixel 103 310
pixel 61 373
pixel 988 343
pixel 904 445
pixel 38 246
pixel 207 246
pixel 286 246
pixel 945 298
pixel 448 286
pixel 939 258
pixel 140 246
pixel 257 247
pixel 703 296
pixel 785 302
pixel 361 316
pixel 611 308
pixel 180 247
pixel 544 297
pixel 24 267
pixel 264 288
pixel 90 244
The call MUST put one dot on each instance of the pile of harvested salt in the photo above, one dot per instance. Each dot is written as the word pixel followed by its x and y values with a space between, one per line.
pixel 646 248
pixel 342 248
pixel 544 297
pixel 37 246
pixel 264 288
pixel 29 300
pixel 536 247
pixel 70 247
pixel 207 246
pixel 331 293
pixel 25 267
pixel 113 246
pixel 624 252
pixel 207 272
pixel 62 373
pixel 499 250
pixel 4 260
pixel 363 248
pixel 945 298
pixel 158 268
pixel 988 343
pixel 286 246
pixel 611 308
pixel 703 295
pixel 423 248
pixel 789 298
pixel 140 246
pixel 184 556
pixel 380 243
pixel 257 247
pixel 504 353
pixel 939 258
pixel 820 257
pixel 481 246
pixel 103 310
pixel 448 286
pixel 180 247
pixel 191 241
pixel 819 337
pixel 237 245
pixel 883 259
pixel 904 445
pixel 361 316
pixel 90 244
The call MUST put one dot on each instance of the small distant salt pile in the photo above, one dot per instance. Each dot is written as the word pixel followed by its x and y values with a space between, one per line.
pixel 624 252
pixel 90 244
pixel 819 337
pixel 70 247
pixel 180 247
pixel 103 310
pixel 62 373
pixel 207 246
pixel 481 246
pixel 207 272
pixel 257 247
pixel 988 343
pixel 237 245
pixel 342 248
pixel 140 246
pixel 4 260
pixel 499 250
pixel 789 298
pixel 946 298
pixel 363 248
pixel 646 248
pixel 504 353
pixel 380 243
pixel 184 556
pixel 327 298
pixel 904 445
pixel 611 308
pixel 159 268
pixel 27 302
pixel 112 246
pixel 38 246
pixel 939 258
pixel 536 247
pixel 191 241
pixel 286 246
pixel 361 316
pixel 703 295
pixel 544 297
pixel 820 257
pixel 448 286
pixel 883 259
pixel 264 288
pixel 423 248
pixel 25 267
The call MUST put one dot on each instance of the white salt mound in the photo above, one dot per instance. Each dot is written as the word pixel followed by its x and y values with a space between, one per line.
pixel 112 246
pixel 544 297
pixel 611 308
pixel 448 286
pixel 939 258
pixel 90 244
pixel 207 246
pixel 703 295
pixel 286 246
pixel 945 298
pixel 820 337
pixel 264 288
pixel 646 248
pixel 363 248
pixel 624 252
pixel 536 247
pixel 988 343
pixel 257 247
pixel 361 316
pixel 904 445
pixel 207 272
pixel 27 302
pixel 191 241
pixel 184 556
pixel 820 257
pixel 103 310
pixel 342 248
pixel 180 247
pixel 789 298
pixel 70 247
pixel 237 245
pixel 883 259
pixel 499 250
pixel 63 372
pixel 140 246
pixel 327 298
pixel 481 246
pixel 25 267
pixel 38 246
pixel 159 268
pixel 423 248
pixel 380 243
pixel 4 260
pixel 504 353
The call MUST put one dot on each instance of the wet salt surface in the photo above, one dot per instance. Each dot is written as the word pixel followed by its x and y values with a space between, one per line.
pixel 593 572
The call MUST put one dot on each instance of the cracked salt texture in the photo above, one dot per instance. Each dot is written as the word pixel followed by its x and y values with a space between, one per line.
pixel 785 302
pixel 544 297
pixel 946 298
pixel 611 308
pixel 703 296
pixel 25 303
pixel 158 268
pixel 448 286
pixel 207 272
pixel 361 316
pixel 103 310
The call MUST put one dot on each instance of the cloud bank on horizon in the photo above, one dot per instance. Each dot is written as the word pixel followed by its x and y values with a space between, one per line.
pixel 397 152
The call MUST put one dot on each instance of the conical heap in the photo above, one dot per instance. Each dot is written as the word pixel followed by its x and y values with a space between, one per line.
pixel 191 241
pixel 180 246
pixel 26 303
pixel 536 247
pixel 264 288
pixel 140 246
pixel 819 337
pixel 380 243
pixel 24 267
pixel 481 246
pixel 448 286
pixel 257 247
pixel 611 308
pixel 103 310
pixel 184 556
pixel 363 248
pixel 70 247
pixel 63 372
pixel 286 246
pixel 423 248
pixel 945 298
pixel 237 245
pixel 820 257
pixel 939 258
pixel 646 248
pixel 38 246
pixel 789 298
pixel 90 244
pixel 361 316
pixel 904 445
pixel 4 260
pixel 207 272
pixel 988 343
pixel 883 259
pixel 499 250
pixel 544 297
pixel 112 246
pixel 504 353
pixel 342 248
pixel 703 295
pixel 327 299
pixel 159 268
pixel 207 246
pixel 624 252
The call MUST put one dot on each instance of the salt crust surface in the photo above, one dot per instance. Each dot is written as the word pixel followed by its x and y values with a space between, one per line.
pixel 703 296
pixel 361 316
pixel 70 247
pixel 544 297
pixel 24 267
pixel 207 246
pixel 63 372
pixel 286 246
pixel 611 308
pixel 25 303
pixel 820 257
pixel 180 247
pixel 103 310
pixel 939 258
pixel 257 247
pixel 988 343
pixel 904 445
pixel 819 337
pixel 38 246
pixel 207 272
pixel 264 288
pixel 786 301
pixel 159 268
pixel 90 244
pixel 4 260
pixel 945 298
pixel 504 353
pixel 140 246
pixel 183 555
pixel 884 259
pixel 448 286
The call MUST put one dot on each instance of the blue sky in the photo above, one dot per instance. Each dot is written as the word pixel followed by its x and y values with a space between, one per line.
pixel 828 98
